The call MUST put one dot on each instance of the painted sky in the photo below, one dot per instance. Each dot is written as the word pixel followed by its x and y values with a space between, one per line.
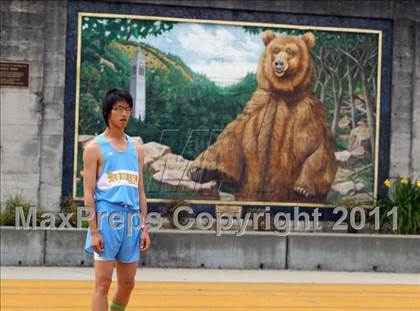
pixel 225 54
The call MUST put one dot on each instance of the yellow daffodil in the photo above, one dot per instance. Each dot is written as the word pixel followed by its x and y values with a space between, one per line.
pixel 418 183
pixel 387 183
pixel 405 181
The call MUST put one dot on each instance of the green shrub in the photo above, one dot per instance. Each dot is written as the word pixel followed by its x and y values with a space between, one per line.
pixel 70 205
pixel 8 211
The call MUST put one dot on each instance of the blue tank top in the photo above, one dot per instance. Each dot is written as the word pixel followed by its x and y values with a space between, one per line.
pixel 118 180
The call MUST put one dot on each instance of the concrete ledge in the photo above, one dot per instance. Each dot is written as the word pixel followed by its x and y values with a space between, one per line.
pixel 203 249
pixel 195 249
pixel 22 247
pixel 65 248
pixel 354 252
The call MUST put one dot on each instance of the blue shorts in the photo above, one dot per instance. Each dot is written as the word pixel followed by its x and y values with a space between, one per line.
pixel 120 231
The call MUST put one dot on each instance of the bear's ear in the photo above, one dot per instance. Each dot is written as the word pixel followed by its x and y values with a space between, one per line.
pixel 268 35
pixel 309 39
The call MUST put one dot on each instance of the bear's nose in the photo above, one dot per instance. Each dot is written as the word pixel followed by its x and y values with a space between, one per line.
pixel 279 64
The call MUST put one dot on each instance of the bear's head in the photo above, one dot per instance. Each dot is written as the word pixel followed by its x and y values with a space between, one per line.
pixel 285 65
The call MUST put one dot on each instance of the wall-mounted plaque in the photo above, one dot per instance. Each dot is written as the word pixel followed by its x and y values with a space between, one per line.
pixel 14 74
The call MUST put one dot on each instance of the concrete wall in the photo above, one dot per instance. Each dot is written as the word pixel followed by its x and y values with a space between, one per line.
pixel 415 145
pixel 203 249
pixel 353 252
pixel 22 247
pixel 32 119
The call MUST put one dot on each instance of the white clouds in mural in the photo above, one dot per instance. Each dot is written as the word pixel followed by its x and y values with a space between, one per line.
pixel 225 54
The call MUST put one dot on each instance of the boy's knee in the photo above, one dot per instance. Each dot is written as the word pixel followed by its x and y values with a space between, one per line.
pixel 126 285
pixel 102 286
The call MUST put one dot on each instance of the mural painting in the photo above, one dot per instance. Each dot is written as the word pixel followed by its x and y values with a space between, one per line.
pixel 238 111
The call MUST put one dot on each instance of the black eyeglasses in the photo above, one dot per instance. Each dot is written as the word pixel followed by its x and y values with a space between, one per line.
pixel 120 109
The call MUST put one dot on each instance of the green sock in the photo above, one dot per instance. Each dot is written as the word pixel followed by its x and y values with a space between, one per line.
pixel 113 306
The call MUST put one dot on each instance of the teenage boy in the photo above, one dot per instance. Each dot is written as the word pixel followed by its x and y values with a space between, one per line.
pixel 113 189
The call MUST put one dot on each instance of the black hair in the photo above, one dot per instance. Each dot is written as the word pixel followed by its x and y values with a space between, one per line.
pixel 113 96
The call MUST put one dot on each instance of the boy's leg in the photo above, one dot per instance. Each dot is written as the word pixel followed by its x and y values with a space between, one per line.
pixel 126 273
pixel 103 279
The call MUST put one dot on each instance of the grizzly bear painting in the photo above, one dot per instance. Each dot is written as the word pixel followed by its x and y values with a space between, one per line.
pixel 280 147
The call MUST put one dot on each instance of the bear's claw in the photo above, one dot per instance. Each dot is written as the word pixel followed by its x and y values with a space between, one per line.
pixel 195 174
pixel 301 191
pixel 201 175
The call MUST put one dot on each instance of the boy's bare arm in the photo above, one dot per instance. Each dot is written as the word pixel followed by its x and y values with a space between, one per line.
pixel 143 203
pixel 145 242
pixel 90 163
